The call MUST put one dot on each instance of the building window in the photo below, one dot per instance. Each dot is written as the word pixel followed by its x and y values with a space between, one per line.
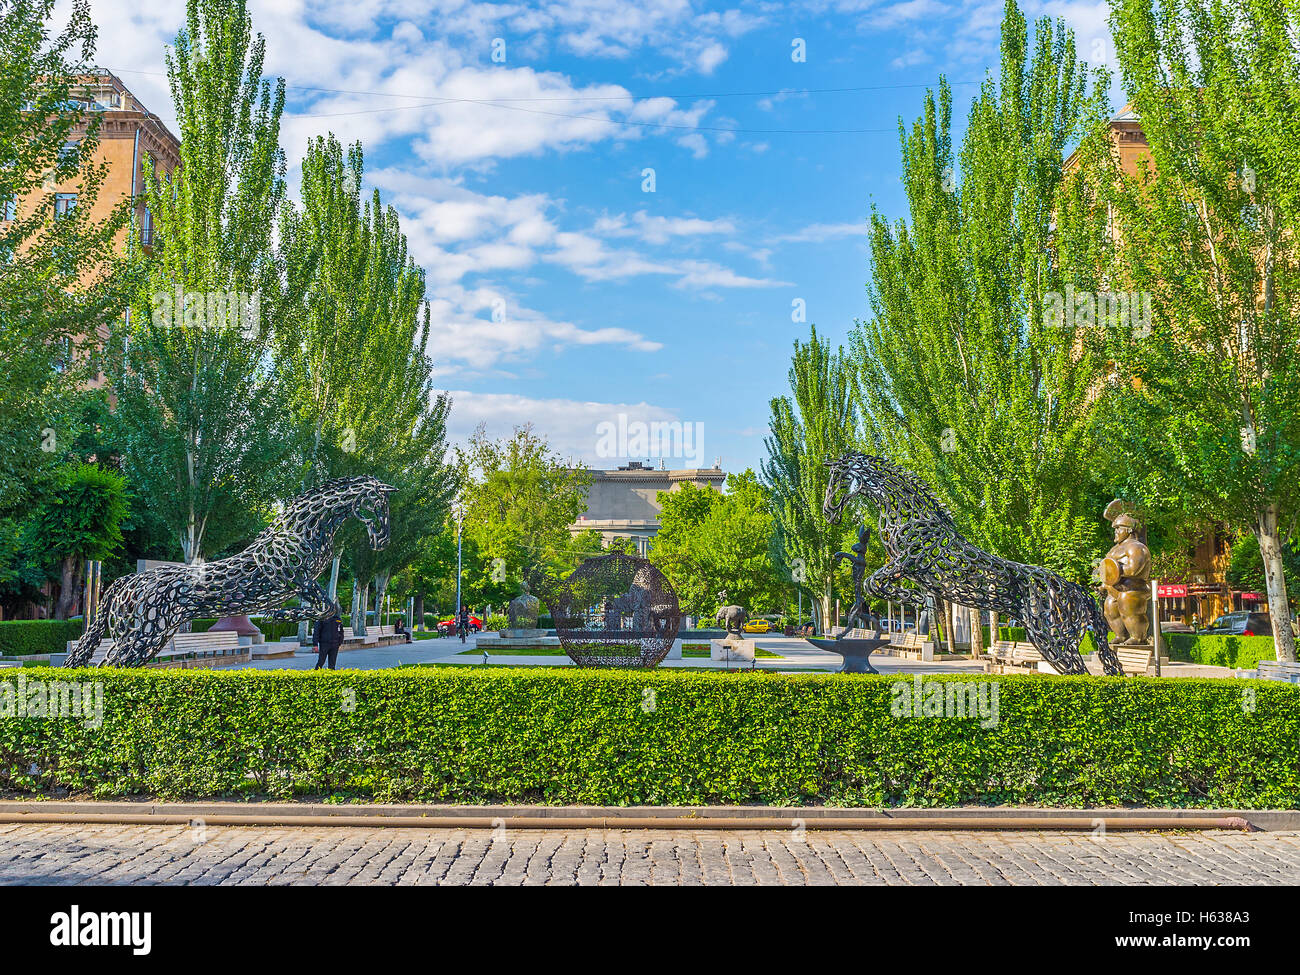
pixel 146 227
pixel 64 203
pixel 8 208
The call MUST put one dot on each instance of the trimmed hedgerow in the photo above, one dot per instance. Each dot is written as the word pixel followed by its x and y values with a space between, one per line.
pixel 1243 652
pixel 19 638
pixel 620 738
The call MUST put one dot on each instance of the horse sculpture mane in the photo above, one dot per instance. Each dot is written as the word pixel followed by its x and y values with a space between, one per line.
pixel 141 613
pixel 924 547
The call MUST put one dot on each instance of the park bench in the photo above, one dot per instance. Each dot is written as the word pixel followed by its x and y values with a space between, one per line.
pixel 186 650
pixel 1010 656
pixel 375 636
pixel 1278 670
pixel 1138 661
pixel 912 646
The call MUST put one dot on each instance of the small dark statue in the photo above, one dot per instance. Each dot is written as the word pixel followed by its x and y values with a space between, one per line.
pixel 732 618
pixel 858 559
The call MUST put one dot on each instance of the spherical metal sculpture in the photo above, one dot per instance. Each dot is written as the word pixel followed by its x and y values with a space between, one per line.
pixel 616 610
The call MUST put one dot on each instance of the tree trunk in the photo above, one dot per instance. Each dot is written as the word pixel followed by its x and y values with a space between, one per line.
pixel 381 589
pixel 976 634
pixel 947 626
pixel 67 588
pixel 419 609
pixel 1279 606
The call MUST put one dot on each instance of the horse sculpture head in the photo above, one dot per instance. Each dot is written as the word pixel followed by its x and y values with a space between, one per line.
pixel 364 498
pixel 852 475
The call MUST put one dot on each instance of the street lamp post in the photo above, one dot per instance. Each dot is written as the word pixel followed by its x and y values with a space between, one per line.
pixel 460 517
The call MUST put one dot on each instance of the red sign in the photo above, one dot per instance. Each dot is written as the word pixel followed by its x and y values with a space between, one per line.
pixel 1173 591
pixel 1252 596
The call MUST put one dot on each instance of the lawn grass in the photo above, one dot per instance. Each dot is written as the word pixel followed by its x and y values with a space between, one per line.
pixel 515 652
pixel 704 650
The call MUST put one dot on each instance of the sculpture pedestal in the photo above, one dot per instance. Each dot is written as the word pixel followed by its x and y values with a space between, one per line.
pixel 238 624
pixel 733 649
pixel 854 651
pixel 488 641
pixel 521 634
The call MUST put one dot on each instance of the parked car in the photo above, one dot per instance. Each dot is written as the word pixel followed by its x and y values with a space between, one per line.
pixel 447 627
pixel 1241 624
pixel 758 626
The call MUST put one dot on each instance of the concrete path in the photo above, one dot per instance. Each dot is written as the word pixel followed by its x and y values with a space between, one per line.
pixel 207 855
pixel 796 655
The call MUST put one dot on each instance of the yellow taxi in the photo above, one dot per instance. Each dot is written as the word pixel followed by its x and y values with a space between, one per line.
pixel 758 626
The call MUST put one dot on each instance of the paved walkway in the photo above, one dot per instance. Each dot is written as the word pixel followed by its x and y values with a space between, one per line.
pixel 118 854
pixel 796 655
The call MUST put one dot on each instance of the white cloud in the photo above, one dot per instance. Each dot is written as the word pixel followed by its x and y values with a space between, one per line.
pixel 817 233
pixel 570 426
pixel 485 327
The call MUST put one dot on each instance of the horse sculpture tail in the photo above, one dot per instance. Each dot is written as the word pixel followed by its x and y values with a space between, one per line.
pixel 85 649
pixel 1100 631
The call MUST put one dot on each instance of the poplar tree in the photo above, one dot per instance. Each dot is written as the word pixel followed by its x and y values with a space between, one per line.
pixel 1206 411
pixel 815 423
pixel 201 406
pixel 963 373
pixel 61 280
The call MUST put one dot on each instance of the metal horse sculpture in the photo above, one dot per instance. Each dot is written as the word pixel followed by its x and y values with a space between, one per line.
pixel 924 547
pixel 141 613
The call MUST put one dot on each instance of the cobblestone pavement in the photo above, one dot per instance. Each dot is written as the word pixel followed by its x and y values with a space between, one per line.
pixel 116 854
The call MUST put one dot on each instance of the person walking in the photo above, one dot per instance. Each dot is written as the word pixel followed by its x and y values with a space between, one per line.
pixel 462 624
pixel 328 637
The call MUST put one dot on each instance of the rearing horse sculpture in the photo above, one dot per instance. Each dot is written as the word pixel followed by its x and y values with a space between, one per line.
pixel 924 547
pixel 141 613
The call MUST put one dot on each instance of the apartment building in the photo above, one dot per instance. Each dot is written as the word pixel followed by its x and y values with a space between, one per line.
pixel 128 132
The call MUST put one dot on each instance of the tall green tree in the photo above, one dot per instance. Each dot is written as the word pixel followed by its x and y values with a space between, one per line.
pixel 519 500
pixel 816 423
pixel 61 280
pixel 201 397
pixel 963 373
pixel 1207 409
pixel 78 520
pixel 710 542
pixel 403 441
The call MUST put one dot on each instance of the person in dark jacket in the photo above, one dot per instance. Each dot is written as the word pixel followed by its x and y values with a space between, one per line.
pixel 327 639
pixel 462 624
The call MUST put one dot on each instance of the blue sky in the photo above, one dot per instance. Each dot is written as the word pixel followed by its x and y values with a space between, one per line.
pixel 563 293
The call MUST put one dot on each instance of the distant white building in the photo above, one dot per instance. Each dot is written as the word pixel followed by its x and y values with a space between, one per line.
pixel 623 503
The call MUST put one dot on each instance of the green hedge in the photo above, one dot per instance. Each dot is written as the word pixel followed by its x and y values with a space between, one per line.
pixel 1243 652
pixel 18 638
pixel 554 736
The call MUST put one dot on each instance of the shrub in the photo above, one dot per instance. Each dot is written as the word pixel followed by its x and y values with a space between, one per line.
pixel 19 638
pixel 497 621
pixel 587 737
pixel 1244 652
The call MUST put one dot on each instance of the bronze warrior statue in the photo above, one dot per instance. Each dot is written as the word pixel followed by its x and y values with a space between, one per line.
pixel 1126 577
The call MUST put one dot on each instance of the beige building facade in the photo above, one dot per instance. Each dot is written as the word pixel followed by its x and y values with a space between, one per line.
pixel 623 503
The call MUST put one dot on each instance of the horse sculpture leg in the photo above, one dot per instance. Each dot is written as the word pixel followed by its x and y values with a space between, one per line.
pixel 314 603
pixel 883 584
